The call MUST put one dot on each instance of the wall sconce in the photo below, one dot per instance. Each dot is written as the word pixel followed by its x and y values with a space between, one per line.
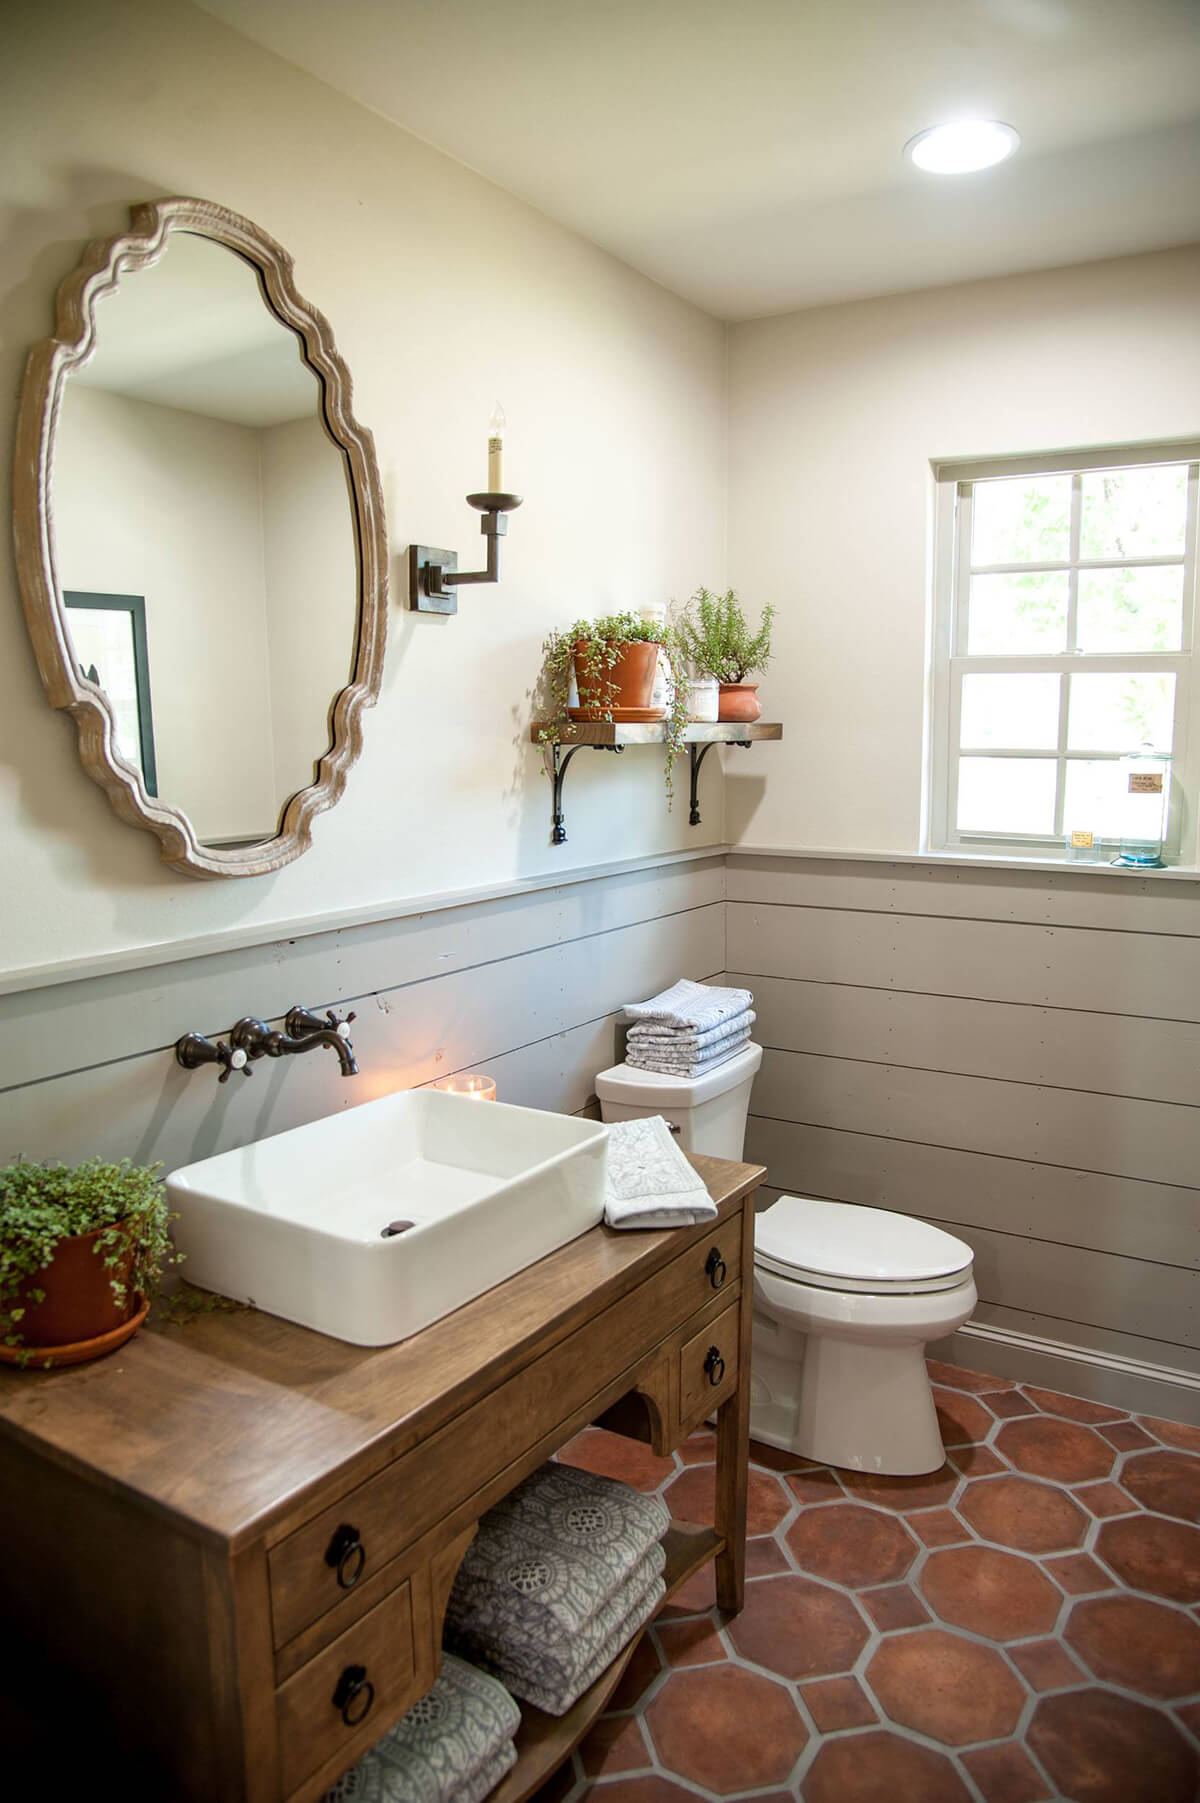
pixel 434 576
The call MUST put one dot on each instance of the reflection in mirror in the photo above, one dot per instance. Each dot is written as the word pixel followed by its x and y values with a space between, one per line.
pixel 205 540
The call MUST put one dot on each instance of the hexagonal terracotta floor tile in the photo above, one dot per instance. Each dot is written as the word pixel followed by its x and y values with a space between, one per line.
pixel 798 1628
pixel 615 1744
pixel 902 1492
pixel 692 1497
pixel 726 1729
pixel 1062 1451
pixel 1148 1553
pixel 956 1377
pixel 1145 1646
pixel 881 1768
pixel 989 1592
pixel 1074 1408
pixel 945 1686
pixel 1168 1482
pixel 962 1419
pixel 851 1545
pixel 1175 1433
pixel 612 1455
pixel 1016 1511
pixel 642 1790
pixel 1103 1748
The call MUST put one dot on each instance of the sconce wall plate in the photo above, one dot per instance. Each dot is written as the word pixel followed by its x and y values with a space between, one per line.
pixel 420 557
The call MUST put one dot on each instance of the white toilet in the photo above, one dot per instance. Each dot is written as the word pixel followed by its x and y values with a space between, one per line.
pixel 845 1298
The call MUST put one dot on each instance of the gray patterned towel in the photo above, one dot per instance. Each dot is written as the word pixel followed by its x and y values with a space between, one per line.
pixel 531 1653
pixel 649 1182
pixel 691 1007
pixel 458 1734
pixel 564 1540
pixel 558 1701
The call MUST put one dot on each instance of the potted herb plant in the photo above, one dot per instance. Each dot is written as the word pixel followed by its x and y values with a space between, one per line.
pixel 81 1250
pixel 613 660
pixel 716 637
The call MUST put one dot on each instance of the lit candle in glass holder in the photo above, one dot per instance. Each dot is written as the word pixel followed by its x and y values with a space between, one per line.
pixel 479 1089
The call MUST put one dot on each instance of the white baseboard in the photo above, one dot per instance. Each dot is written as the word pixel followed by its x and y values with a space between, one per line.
pixel 1123 1383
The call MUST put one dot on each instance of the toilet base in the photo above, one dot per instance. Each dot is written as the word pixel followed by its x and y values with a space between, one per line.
pixel 843 1402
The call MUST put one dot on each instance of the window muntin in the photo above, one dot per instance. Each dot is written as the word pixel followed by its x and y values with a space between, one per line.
pixel 1065 597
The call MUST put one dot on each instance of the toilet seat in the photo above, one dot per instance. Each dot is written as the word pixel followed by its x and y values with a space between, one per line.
pixel 841 1246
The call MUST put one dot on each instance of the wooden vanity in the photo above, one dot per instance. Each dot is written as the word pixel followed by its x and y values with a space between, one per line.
pixel 230 1544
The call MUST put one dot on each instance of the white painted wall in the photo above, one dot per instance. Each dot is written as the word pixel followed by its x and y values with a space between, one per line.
pixel 835 417
pixel 444 294
pixel 156 502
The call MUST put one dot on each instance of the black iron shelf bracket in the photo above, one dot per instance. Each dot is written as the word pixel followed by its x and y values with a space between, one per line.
pixel 560 757
pixel 433 575
pixel 697 755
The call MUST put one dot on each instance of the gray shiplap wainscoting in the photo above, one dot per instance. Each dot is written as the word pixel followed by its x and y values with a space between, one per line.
pixel 525 986
pixel 1014 1055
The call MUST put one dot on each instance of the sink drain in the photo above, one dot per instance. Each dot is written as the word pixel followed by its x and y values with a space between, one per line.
pixel 394 1227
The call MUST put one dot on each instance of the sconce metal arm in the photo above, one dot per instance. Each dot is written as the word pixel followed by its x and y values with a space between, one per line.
pixel 434 575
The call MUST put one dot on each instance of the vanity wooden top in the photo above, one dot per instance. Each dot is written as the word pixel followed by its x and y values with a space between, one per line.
pixel 229 1422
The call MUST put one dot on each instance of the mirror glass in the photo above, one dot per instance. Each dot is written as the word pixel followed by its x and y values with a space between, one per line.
pixel 205 540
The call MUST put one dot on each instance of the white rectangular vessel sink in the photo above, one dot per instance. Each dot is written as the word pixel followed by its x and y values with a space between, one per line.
pixel 298 1223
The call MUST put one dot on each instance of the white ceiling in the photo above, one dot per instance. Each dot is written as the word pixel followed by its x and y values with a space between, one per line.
pixel 747 153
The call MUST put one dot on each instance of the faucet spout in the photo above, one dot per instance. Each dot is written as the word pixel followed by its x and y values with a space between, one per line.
pixel 303 1032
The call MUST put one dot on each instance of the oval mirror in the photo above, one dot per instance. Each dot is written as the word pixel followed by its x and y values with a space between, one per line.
pixel 200 538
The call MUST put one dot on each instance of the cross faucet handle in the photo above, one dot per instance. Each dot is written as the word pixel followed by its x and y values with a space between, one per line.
pixel 302 1020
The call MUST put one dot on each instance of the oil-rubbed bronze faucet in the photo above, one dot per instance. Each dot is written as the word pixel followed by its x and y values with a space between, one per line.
pixel 251 1039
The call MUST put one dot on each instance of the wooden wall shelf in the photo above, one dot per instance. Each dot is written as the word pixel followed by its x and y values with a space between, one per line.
pixel 606 735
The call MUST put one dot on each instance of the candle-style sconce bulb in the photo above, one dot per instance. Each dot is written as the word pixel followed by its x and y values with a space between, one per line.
pixel 434 576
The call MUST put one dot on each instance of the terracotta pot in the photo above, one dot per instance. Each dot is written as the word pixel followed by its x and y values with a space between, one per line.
pixel 739 701
pixel 632 675
pixel 79 1302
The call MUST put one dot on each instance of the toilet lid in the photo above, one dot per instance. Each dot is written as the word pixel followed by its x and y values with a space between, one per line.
pixel 840 1246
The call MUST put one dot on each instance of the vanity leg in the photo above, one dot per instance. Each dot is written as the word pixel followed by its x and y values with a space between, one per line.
pixel 733 1446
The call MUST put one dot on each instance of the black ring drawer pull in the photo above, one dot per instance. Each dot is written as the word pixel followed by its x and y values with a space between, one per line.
pixel 716 1269
pixel 714 1365
pixel 347 1552
pixel 352 1685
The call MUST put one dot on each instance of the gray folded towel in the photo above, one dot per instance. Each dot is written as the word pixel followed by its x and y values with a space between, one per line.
pixel 533 1655
pixel 442 1750
pixel 557 1702
pixel 671 1063
pixel 562 1541
pixel 649 1182
pixel 694 1007
pixel 683 1039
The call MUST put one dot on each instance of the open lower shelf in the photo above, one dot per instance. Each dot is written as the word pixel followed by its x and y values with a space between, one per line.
pixel 544 1741
pixel 610 735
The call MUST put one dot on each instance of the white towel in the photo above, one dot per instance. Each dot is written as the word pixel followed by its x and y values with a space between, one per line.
pixel 650 1183
pixel 671 1063
pixel 695 1007
pixel 683 1039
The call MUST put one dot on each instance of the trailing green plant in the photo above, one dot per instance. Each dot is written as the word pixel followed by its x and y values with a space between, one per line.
pixel 716 637
pixel 601 642
pixel 43 1204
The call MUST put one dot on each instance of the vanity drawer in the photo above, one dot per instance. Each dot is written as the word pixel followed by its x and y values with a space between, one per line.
pixel 369 1673
pixel 708 1367
pixel 315 1567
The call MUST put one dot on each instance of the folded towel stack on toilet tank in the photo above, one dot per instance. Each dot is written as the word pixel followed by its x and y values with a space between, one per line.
pixel 688 1029
pixel 562 1573
pixel 454 1746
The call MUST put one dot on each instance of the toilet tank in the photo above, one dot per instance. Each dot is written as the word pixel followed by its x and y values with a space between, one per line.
pixel 710 1110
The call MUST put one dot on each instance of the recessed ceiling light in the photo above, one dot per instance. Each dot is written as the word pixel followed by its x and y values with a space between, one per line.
pixel 962 147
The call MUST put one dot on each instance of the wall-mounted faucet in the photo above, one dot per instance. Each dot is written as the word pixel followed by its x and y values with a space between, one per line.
pixel 250 1039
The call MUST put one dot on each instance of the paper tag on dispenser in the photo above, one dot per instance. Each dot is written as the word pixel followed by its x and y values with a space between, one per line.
pixel 1145 782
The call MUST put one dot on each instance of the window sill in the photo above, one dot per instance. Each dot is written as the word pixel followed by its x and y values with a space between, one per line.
pixel 1188 873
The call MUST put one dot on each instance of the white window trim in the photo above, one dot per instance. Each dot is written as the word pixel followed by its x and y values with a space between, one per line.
pixel 947 669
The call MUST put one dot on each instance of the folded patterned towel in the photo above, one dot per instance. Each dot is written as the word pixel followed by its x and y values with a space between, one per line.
pixel 558 1701
pixel 442 1749
pixel 684 1064
pixel 683 1039
pixel 695 1007
pixel 531 1653
pixel 649 1182
pixel 561 1543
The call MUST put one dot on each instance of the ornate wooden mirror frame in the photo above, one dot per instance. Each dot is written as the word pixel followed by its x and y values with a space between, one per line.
pixel 103 263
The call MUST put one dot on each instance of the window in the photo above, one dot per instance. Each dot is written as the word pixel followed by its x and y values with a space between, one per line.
pixel 1064 599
